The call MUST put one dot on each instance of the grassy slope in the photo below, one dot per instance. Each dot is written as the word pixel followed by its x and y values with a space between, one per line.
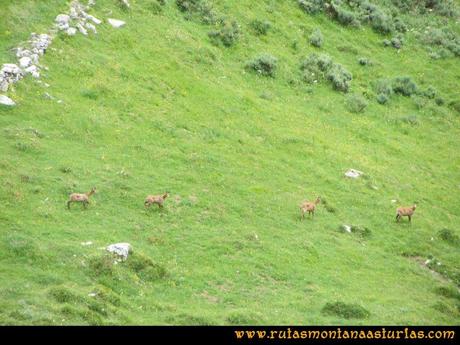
pixel 153 107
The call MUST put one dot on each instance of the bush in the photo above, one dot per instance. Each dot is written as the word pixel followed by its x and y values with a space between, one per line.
pixel 449 236
pixel 345 310
pixel 311 6
pixel 316 38
pixel 382 23
pixel 344 16
pixel 197 8
pixel 260 27
pixel 404 86
pixel 315 66
pixel 339 77
pixel 386 43
pixel 264 64
pixel 444 40
pixel 439 101
pixel 397 42
pixel 227 35
pixel 364 61
pixel 156 6
pixel 382 98
pixel 430 92
pixel 356 103
pixel 455 105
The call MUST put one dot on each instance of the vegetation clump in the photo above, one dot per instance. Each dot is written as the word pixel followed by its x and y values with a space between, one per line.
pixel 264 64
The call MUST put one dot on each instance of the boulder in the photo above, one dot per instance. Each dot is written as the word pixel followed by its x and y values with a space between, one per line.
pixel 120 249
pixel 352 173
pixel 116 23
pixel 6 101
pixel 25 61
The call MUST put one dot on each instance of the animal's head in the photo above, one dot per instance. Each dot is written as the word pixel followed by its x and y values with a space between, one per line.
pixel 165 195
pixel 414 207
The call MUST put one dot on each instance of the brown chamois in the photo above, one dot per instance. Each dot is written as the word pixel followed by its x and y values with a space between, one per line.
pixel 308 206
pixel 155 199
pixel 81 197
pixel 405 211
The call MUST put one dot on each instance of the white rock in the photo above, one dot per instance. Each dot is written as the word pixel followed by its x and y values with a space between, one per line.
pixel 32 69
pixel 34 58
pixel 71 31
pixel 94 19
pixel 394 200
pixel 11 68
pixel 352 173
pixel 346 228
pixel 116 23
pixel 25 61
pixel 62 18
pixel 92 294
pixel 120 249
pixel 81 28
pixel 3 85
pixel 6 101
pixel 86 243
pixel 126 3
pixel 91 27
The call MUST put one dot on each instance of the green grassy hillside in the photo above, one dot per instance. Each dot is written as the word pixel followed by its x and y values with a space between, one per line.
pixel 158 106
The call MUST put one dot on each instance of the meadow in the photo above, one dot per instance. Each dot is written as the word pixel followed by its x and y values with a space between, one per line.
pixel 162 105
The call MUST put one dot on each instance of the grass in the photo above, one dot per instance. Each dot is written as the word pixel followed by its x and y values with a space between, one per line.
pixel 154 107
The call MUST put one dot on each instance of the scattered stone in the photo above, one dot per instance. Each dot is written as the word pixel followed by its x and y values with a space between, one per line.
pixel 352 173
pixel 394 200
pixel 82 29
pixel 25 61
pixel 125 3
pixel 6 101
pixel 71 31
pixel 86 243
pixel 116 23
pixel 92 294
pixel 94 19
pixel 120 249
pixel 346 228
pixel 62 21
pixel 91 27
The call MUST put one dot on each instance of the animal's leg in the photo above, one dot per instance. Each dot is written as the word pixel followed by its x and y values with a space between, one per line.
pixel 410 218
pixel 68 204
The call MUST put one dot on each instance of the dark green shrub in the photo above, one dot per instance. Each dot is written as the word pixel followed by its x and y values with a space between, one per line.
pixel 260 27
pixel 430 92
pixel 449 236
pixel 316 38
pixel 382 98
pixel 356 103
pixel 386 43
pixel 339 77
pixel 102 264
pixel 315 67
pixel 455 105
pixel 397 42
pixel 197 8
pixel 264 64
pixel 156 6
pixel 344 16
pixel 404 86
pixel 227 35
pixel 448 292
pixel 364 61
pixel 311 6
pixel 345 310
pixel 439 101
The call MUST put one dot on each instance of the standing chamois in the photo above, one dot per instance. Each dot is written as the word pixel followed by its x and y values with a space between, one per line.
pixel 155 199
pixel 308 206
pixel 405 211
pixel 81 197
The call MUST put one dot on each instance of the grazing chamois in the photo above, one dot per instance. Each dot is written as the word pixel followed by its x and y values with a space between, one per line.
pixel 81 197
pixel 405 211
pixel 155 199
pixel 308 206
